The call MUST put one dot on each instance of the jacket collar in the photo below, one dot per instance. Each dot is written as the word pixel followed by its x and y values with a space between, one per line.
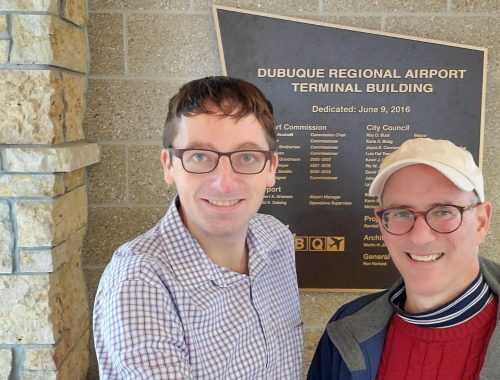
pixel 491 273
pixel 349 332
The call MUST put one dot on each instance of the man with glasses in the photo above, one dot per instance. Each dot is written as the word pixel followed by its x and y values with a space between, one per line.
pixel 439 321
pixel 211 291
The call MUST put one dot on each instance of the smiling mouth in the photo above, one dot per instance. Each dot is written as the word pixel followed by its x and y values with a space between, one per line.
pixel 228 203
pixel 426 258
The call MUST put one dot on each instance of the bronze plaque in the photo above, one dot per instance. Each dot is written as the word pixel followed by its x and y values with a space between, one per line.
pixel 344 98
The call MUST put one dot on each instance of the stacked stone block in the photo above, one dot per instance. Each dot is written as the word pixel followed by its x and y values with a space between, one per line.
pixel 44 313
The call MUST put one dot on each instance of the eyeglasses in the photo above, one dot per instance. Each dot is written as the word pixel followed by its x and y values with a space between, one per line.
pixel 200 161
pixel 442 218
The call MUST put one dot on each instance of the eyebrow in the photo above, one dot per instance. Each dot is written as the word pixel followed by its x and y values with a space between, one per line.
pixel 428 208
pixel 243 146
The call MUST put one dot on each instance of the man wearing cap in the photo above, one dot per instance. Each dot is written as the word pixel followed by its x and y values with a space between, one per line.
pixel 439 321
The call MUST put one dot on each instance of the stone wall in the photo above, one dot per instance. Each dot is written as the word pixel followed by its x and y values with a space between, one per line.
pixel 44 313
pixel 143 50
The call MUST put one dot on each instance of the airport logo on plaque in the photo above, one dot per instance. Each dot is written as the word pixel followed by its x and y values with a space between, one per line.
pixel 327 244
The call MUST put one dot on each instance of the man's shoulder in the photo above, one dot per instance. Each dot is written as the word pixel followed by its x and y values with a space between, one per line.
pixel 152 243
pixel 138 257
pixel 148 243
pixel 268 234
pixel 269 223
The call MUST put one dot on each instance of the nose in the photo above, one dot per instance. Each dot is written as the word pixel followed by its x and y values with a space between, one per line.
pixel 224 177
pixel 421 233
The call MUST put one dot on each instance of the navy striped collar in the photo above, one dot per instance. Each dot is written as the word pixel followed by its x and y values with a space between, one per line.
pixel 469 303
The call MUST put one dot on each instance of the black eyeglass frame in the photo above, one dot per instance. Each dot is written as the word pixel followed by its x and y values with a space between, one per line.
pixel 268 154
pixel 461 210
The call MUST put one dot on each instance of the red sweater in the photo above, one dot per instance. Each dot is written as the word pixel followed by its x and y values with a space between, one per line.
pixel 414 352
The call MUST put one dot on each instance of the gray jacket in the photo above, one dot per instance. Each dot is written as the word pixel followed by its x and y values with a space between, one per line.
pixel 353 342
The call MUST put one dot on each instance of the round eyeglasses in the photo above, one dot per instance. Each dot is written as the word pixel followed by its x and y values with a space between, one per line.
pixel 201 161
pixel 442 218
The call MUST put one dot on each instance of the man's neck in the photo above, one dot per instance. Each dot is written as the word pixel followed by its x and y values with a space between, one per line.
pixel 421 303
pixel 230 255
pixel 229 251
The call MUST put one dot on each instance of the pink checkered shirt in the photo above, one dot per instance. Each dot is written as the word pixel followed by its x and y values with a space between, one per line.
pixel 163 310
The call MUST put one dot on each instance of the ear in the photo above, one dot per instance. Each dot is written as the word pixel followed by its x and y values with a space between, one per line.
pixel 483 217
pixel 273 165
pixel 168 175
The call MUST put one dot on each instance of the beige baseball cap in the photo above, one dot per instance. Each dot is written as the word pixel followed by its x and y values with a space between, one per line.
pixel 455 163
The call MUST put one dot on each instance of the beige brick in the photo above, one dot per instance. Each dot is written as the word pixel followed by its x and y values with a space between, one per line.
pixel 70 47
pixel 76 11
pixel 363 22
pixel 74 96
pixel 6 362
pixel 25 312
pixel 48 223
pixel 185 49
pixel 38 375
pixel 489 247
pixel 4 51
pixel 93 372
pixel 317 308
pixel 6 238
pixel 3 24
pixel 492 132
pixel 282 7
pixel 45 39
pixel 30 37
pixel 33 107
pixel 110 227
pixel 146 183
pixel 77 363
pixel 70 315
pixel 127 110
pixel 38 260
pixel 92 278
pixel 105 32
pixel 59 158
pixel 50 260
pixel 74 179
pixel 311 339
pixel 106 188
pixel 69 291
pixel 172 5
pixel 45 309
pixel 468 30
pixel 384 6
pixel 39 359
pixel 491 171
pixel 475 6
pixel 29 5
pixel 29 185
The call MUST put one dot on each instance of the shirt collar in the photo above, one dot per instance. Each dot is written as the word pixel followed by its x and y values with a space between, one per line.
pixel 190 264
pixel 260 243
pixel 459 310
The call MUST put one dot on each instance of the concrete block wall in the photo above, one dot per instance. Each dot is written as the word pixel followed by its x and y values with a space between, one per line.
pixel 143 50
pixel 44 310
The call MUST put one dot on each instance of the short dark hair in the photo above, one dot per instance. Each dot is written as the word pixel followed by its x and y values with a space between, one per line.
pixel 230 96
